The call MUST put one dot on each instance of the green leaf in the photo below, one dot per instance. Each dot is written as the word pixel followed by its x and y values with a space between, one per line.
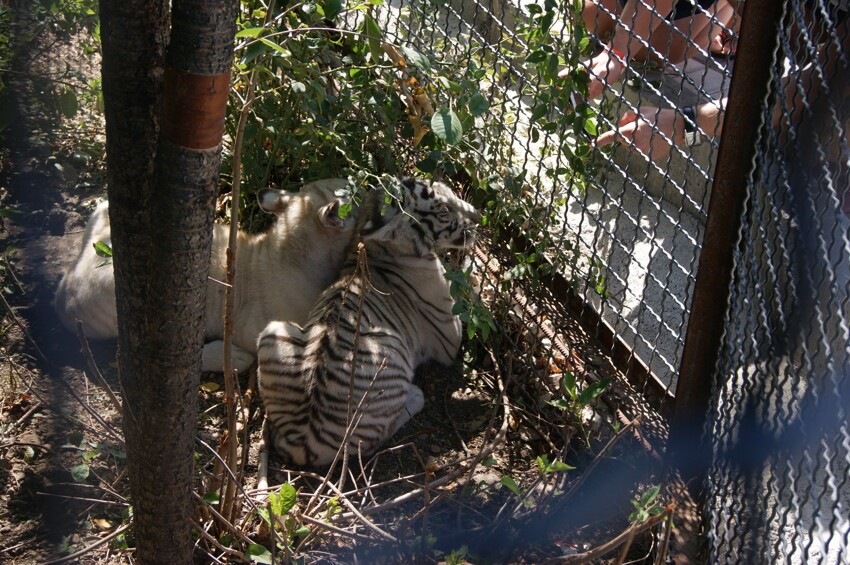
pixel 76 438
pixel 102 249
pixel 212 498
pixel 478 104
pixel 590 126
pixel 275 46
pixel 80 472
pixel 264 514
pixel 446 125
pixel 120 542
pixel 10 213
pixel 210 386
pixel 283 501
pixel 649 495
pixel 344 210
pixel 68 104
pixel 331 8
pixel 542 462
pixel 536 57
pixel 373 36
pixel 250 32
pixel 561 404
pixel 488 461
pixel 511 485
pixel 568 381
pixel 427 165
pixel 254 50
pixel 538 112
pixel 592 391
pixel 259 554
pixel 416 58
pixel 557 466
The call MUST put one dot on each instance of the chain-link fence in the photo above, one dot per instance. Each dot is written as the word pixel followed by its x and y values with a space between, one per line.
pixel 779 489
pixel 625 230
pixel 623 235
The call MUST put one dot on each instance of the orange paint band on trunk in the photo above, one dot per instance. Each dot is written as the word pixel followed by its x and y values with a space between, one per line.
pixel 193 108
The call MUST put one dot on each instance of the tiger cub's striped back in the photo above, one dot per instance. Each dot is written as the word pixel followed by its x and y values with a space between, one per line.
pixel 385 318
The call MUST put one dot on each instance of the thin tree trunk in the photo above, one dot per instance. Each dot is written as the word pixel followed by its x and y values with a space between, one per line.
pixel 161 205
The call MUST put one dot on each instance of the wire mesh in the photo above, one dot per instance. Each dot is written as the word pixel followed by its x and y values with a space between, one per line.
pixel 627 237
pixel 778 489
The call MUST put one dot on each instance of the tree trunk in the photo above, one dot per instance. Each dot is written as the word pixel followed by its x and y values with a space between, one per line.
pixel 162 193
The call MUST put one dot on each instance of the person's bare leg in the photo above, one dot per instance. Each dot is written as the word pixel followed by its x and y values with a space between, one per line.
pixel 597 19
pixel 683 38
pixel 723 30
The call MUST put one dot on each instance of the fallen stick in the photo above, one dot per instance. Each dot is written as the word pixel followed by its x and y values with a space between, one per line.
pixel 624 536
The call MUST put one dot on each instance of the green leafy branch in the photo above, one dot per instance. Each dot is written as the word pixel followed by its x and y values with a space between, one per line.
pixel 468 307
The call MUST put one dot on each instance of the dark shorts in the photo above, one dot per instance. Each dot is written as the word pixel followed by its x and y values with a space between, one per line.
pixel 684 8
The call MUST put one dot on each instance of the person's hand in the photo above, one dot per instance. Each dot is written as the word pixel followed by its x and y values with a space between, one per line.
pixel 642 131
pixel 604 68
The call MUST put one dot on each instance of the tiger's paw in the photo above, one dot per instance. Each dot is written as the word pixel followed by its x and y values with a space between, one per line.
pixel 213 358
pixel 415 400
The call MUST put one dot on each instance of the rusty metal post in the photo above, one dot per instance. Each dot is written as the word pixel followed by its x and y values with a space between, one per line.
pixel 688 450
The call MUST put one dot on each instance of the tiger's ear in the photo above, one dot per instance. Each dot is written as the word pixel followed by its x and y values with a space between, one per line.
pixel 329 215
pixel 272 200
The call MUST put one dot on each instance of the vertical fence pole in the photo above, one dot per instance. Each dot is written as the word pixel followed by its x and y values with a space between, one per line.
pixel 688 449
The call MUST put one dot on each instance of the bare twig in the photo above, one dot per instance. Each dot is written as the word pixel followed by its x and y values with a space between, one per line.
pixel 94 369
pixel 664 545
pixel 503 430
pixel 263 457
pixel 610 545
pixel 224 521
pixel 209 448
pixel 426 495
pixel 341 452
pixel 596 460
pixel 83 499
pixel 27 415
pixel 89 548
pixel 229 551
pixel 344 499
pixel 95 487
pixel 247 401
pixel 624 551
pixel 23 328
pixel 230 447
pixel 364 286
pixel 70 389
pixel 334 529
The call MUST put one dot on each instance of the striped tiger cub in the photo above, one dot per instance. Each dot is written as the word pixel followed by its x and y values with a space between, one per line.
pixel 400 302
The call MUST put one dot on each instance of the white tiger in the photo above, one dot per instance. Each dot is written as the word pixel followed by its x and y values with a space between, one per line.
pixel 305 374
pixel 280 274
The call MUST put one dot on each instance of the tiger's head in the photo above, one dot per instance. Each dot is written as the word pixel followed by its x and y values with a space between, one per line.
pixel 425 214
pixel 314 210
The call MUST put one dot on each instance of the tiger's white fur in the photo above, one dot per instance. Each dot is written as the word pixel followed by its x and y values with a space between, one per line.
pixel 305 374
pixel 280 273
